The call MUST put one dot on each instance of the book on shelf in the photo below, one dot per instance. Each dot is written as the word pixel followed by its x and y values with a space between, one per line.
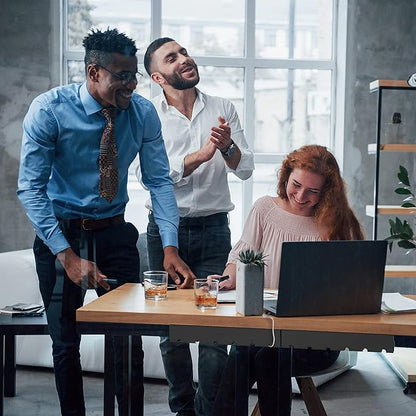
pixel 23 309
pixel 397 303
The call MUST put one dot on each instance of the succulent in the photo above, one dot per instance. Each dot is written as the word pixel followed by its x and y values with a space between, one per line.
pixel 254 258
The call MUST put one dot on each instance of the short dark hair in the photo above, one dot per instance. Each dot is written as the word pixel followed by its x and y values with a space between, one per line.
pixel 100 45
pixel 151 49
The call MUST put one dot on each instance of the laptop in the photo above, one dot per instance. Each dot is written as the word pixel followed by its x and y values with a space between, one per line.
pixel 330 278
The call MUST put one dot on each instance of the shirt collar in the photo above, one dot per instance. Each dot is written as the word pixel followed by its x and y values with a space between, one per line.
pixel 91 106
pixel 200 99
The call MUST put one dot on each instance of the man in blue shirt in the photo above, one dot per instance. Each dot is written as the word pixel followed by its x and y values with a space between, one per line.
pixel 81 236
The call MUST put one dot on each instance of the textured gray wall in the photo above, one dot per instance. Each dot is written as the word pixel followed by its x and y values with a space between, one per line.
pixel 380 45
pixel 25 71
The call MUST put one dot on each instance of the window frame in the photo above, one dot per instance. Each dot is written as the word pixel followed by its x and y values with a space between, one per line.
pixel 249 62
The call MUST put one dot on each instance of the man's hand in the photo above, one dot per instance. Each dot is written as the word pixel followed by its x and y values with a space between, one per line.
pixel 221 139
pixel 173 264
pixel 82 272
pixel 221 135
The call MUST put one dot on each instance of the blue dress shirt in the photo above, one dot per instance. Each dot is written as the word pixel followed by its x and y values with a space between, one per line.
pixel 59 171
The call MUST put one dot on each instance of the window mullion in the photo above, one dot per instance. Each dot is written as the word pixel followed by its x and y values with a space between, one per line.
pixel 249 103
pixel 155 32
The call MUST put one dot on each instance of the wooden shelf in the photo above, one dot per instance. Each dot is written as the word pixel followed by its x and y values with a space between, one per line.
pixel 392 147
pixel 375 85
pixel 400 271
pixel 403 362
pixel 389 210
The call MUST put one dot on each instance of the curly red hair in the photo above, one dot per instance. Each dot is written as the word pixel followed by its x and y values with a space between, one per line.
pixel 336 220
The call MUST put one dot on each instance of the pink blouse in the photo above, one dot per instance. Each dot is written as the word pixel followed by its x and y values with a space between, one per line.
pixel 267 227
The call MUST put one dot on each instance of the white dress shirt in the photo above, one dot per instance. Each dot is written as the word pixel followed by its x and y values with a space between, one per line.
pixel 205 191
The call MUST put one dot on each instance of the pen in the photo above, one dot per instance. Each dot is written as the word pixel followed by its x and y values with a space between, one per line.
pixel 111 281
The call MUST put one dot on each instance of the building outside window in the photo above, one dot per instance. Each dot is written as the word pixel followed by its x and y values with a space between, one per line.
pixel 275 60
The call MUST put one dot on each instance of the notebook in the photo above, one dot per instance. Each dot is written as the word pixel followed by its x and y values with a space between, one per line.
pixel 330 278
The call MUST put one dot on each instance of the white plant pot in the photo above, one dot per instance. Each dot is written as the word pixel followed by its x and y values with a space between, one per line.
pixel 249 289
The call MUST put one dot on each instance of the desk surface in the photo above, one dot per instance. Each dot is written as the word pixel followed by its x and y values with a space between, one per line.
pixel 127 305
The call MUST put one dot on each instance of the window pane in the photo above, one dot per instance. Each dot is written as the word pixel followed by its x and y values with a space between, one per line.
pixel 131 17
pixel 265 180
pixel 236 214
pixel 292 109
pixel 300 29
pixel 76 71
pixel 224 82
pixel 211 28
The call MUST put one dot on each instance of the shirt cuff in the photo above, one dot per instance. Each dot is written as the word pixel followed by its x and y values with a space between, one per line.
pixel 170 239
pixel 246 166
pixel 57 243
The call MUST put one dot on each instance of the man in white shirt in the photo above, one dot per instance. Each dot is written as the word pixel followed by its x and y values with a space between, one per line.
pixel 204 142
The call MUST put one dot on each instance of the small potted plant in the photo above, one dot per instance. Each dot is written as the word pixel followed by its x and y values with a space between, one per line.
pixel 402 231
pixel 250 282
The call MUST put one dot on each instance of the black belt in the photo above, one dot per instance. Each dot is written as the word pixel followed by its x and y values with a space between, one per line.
pixel 215 219
pixel 91 224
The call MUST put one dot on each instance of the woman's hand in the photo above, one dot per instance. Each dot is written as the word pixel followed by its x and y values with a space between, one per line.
pixel 226 284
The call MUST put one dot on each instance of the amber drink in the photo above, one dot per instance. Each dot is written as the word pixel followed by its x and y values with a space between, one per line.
pixel 155 284
pixel 206 293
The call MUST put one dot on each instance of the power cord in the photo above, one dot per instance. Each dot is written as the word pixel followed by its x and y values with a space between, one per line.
pixel 265 315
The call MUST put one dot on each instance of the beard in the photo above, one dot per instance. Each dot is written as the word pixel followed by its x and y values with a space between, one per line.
pixel 176 80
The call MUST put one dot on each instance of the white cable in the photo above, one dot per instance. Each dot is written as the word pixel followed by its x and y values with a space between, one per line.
pixel 265 315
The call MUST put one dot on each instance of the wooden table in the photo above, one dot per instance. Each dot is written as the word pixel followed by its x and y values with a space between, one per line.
pixel 124 311
pixel 10 327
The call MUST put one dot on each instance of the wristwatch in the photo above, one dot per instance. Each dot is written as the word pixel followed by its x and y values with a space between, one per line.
pixel 230 151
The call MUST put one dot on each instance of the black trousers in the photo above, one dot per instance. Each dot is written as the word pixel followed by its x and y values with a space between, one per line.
pixel 263 367
pixel 114 251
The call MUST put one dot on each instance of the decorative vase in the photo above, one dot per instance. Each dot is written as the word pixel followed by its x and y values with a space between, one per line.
pixel 395 131
pixel 249 289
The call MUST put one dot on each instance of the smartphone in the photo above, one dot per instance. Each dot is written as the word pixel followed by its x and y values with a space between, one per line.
pixel 172 287
pixel 26 306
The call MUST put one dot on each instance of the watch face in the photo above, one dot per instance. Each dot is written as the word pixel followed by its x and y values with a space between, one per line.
pixel 230 151
pixel 412 80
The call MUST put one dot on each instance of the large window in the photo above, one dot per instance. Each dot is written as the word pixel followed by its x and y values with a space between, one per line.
pixel 275 60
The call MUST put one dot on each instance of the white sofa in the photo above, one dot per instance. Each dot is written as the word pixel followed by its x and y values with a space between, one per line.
pixel 19 283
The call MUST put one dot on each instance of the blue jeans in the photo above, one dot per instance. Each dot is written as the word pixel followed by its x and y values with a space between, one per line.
pixel 204 244
pixel 115 253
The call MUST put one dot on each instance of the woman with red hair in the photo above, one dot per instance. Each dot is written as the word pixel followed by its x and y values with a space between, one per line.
pixel 311 205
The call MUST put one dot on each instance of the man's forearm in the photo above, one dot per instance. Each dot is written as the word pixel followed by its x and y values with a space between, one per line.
pixel 192 162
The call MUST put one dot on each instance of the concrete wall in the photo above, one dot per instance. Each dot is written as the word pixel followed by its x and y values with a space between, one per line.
pixel 380 44
pixel 27 68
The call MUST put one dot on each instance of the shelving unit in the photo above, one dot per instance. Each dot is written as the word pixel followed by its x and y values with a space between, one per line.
pixel 402 360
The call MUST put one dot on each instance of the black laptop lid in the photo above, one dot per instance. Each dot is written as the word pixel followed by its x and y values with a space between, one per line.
pixel 331 277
